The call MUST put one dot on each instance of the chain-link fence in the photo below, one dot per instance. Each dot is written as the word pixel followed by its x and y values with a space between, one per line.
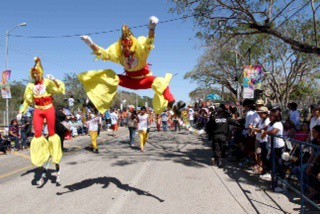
pixel 3 117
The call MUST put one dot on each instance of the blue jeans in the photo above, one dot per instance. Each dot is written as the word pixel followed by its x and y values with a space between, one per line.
pixel 24 138
pixel 16 142
pixel 165 125
pixel 132 134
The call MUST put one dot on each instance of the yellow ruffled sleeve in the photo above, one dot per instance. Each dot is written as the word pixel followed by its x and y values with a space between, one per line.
pixel 28 98
pixel 112 53
pixel 146 43
pixel 52 88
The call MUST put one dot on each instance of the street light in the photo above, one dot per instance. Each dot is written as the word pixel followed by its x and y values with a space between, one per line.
pixel 7 63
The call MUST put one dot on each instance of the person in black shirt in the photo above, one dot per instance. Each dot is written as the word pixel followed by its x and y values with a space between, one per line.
pixel 25 125
pixel 219 128
pixel 219 132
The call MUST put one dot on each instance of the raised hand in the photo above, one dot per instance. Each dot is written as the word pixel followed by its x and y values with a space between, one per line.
pixel 153 21
pixel 50 77
pixel 87 40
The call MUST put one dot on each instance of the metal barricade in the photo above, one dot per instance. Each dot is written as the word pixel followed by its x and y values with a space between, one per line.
pixel 276 177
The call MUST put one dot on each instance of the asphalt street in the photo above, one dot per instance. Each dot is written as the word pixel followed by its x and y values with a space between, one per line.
pixel 173 175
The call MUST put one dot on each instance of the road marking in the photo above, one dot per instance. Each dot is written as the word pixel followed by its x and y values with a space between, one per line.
pixel 22 155
pixel 16 171
pixel 122 198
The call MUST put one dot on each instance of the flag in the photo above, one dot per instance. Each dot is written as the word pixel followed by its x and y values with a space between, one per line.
pixel 5 85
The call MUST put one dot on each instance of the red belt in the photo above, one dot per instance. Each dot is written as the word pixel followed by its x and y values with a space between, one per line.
pixel 142 72
pixel 43 101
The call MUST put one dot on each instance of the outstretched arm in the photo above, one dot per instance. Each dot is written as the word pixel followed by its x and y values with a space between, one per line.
pixel 90 43
pixel 153 21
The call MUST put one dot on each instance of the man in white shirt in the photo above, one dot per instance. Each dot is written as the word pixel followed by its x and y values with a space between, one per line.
pixel 114 120
pixel 164 118
pixel 190 115
pixel 294 114
pixel 71 103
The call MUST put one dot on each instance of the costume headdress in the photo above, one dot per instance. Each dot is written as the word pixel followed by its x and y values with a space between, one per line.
pixel 37 68
pixel 128 41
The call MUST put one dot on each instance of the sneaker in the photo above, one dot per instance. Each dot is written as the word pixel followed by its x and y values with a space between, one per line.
pixel 265 176
pixel 96 151
pixel 132 144
pixel 40 182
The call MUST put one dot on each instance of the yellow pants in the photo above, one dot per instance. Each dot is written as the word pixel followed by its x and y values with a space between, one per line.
pixel 94 136
pixel 143 138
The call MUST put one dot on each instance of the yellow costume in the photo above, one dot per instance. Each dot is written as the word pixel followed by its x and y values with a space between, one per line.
pixel 40 94
pixel 101 86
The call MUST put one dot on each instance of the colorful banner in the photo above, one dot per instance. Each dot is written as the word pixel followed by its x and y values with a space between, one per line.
pixel 5 85
pixel 252 80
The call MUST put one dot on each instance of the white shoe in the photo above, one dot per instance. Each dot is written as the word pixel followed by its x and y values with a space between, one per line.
pixel 265 176
pixel 40 182
pixel 57 175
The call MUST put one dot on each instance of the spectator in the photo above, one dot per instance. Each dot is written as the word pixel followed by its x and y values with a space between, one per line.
pixel 3 146
pixel 191 115
pixel 289 129
pixel 164 118
pixel 251 120
pixel 303 134
pixel 132 125
pixel 61 130
pixel 71 103
pixel 294 114
pixel 313 169
pixel 275 128
pixel 114 121
pixel 14 133
pixel 143 127
pixel 25 130
pixel 108 120
pixel 176 122
pixel 315 119
pixel 262 151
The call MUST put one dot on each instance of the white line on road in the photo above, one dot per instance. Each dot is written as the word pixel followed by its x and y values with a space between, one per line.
pixel 119 203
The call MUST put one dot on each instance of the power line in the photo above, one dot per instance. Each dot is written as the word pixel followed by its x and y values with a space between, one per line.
pixel 95 33
pixel 282 11
pixel 294 14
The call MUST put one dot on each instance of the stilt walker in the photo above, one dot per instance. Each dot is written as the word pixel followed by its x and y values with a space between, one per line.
pixel 132 53
pixel 39 93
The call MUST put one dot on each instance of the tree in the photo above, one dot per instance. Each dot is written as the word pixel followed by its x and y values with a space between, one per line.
pixel 226 19
pixel 285 68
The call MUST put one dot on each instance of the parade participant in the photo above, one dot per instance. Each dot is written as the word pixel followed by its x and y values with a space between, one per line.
pixel 132 53
pixel 143 127
pixel 132 124
pixel 114 121
pixel 40 94
pixel 93 125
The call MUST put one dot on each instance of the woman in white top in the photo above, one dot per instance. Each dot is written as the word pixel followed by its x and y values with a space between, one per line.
pixel 274 129
pixel 315 120
pixel 143 127
pixel 262 151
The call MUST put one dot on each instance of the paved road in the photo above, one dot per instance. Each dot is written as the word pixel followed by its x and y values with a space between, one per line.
pixel 173 175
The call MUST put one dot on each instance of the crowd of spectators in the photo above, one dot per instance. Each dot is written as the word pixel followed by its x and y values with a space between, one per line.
pixel 248 133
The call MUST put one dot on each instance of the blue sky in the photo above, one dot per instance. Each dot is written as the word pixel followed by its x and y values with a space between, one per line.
pixel 176 48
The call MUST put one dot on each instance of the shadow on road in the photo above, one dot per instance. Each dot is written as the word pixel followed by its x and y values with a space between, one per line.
pixel 37 174
pixel 105 181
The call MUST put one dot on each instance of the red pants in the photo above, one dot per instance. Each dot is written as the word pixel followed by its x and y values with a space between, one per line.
pixel 144 83
pixel 38 119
